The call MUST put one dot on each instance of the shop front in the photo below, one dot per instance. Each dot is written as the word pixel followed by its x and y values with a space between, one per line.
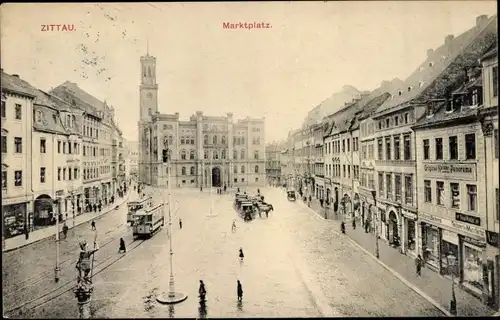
pixel 493 267
pixel 44 211
pixel 14 219
pixel 409 235
pixel 456 250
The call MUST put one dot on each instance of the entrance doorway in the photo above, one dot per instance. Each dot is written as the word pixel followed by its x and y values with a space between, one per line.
pixel 216 177
pixel 393 229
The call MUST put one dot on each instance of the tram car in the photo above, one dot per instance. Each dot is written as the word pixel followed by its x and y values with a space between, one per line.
pixel 148 220
pixel 134 206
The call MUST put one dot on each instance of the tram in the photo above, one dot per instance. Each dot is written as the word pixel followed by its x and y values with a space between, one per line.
pixel 148 220
pixel 133 206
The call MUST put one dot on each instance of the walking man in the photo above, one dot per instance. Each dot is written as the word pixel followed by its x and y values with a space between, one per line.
pixel 180 223
pixel 93 225
pixel 65 230
pixel 233 227
pixel 239 290
pixel 418 264
pixel 241 255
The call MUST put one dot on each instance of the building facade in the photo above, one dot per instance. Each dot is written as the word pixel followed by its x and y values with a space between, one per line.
pixel 273 164
pixel 204 151
pixel 17 121
pixel 489 124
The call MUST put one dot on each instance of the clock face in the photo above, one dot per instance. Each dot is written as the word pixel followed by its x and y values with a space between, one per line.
pixel 150 95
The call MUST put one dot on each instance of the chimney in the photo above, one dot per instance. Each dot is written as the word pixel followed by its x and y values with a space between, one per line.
pixel 481 20
pixel 448 39
pixel 15 75
pixel 429 52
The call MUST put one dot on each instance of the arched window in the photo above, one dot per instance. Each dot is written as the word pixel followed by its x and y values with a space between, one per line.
pixel 234 140
pixel 242 140
pixel 205 154
pixel 235 169
pixel 191 171
pixel 214 127
pixel 238 141
pixel 223 140
pixel 223 154
pixel 235 155
pixel 205 127
pixel 215 155
pixel 242 169
pixel 205 139
pixel 256 169
pixel 191 155
pixel 256 155
pixel 215 139
pixel 170 140
pixel 182 140
pixel 242 154
pixel 149 71
pixel 183 154
pixel 183 172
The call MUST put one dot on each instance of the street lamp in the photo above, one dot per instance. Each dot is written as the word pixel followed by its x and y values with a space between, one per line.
pixel 171 297
pixel 451 261
pixel 374 195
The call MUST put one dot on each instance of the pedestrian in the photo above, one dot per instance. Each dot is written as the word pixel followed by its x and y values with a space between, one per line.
pixel 342 227
pixel 93 225
pixel 65 230
pixel 100 206
pixel 122 248
pixel 418 264
pixel 241 254
pixel 367 226
pixel 180 223
pixel 354 223
pixel 225 188
pixel 321 202
pixel 233 227
pixel 239 291
pixel 26 233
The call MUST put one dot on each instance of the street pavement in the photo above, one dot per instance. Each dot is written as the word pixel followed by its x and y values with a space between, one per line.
pixel 295 265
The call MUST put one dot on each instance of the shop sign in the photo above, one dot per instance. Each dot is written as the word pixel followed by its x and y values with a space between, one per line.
pixel 493 238
pixel 456 171
pixel 450 237
pixel 468 228
pixel 59 193
pixel 409 215
pixel 430 217
pixel 467 218
pixel 475 242
pixel 19 200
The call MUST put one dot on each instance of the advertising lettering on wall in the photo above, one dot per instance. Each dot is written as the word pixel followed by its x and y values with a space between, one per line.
pixel 457 171
pixel 475 242
pixel 493 238
pixel 467 218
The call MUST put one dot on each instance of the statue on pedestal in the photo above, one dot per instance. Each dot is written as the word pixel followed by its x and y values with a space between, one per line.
pixel 83 289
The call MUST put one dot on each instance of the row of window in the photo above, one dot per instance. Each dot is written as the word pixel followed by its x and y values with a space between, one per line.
pixel 394 121
pixel 192 170
pixel 394 142
pixel 369 154
pixel 61 174
pixel 334 146
pixel 386 190
pixel 334 171
pixel 453 195
pixel 18 179
pixel 18 114
pixel 470 148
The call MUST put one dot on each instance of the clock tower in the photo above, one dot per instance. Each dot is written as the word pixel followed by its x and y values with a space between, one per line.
pixel 148 88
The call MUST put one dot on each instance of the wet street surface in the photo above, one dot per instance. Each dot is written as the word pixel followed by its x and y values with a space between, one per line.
pixel 295 265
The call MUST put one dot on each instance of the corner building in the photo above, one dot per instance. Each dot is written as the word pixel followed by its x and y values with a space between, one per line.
pixel 204 150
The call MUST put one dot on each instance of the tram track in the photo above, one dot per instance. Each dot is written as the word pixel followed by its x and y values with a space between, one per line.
pixel 69 285
pixel 39 277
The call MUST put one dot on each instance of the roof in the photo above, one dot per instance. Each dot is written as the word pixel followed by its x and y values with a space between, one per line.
pixel 437 62
pixel 50 120
pixel 66 95
pixel 490 54
pixel 442 116
pixel 17 85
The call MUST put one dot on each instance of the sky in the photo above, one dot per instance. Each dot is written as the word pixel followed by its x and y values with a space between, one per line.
pixel 309 52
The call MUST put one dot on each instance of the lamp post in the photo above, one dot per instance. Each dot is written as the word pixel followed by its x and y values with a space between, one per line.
pixel 57 269
pixel 451 260
pixel 377 252
pixel 171 297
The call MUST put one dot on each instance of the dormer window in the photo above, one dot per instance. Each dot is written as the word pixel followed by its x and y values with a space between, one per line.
pixel 449 106
pixel 409 88
pixel 38 118
pixel 475 98
pixel 387 122
pixel 420 84
pixel 400 92
pixel 429 111
pixel 431 64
